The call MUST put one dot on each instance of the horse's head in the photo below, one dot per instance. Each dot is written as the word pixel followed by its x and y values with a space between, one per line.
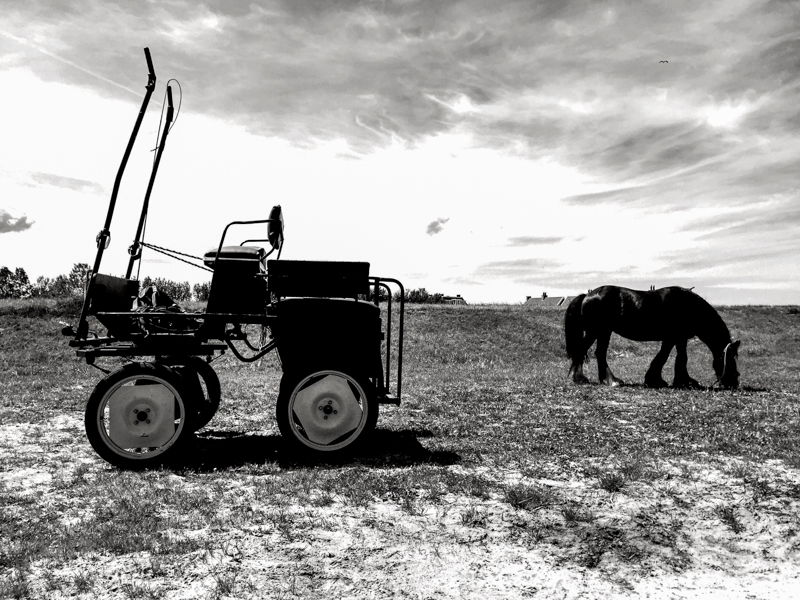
pixel 725 366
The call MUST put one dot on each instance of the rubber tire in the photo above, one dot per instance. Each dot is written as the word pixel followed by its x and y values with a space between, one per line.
pixel 289 382
pixel 101 443
pixel 207 403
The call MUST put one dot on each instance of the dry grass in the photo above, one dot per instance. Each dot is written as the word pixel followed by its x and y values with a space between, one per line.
pixel 495 478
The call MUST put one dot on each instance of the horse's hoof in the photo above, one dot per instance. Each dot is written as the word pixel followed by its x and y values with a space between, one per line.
pixel 580 379
pixel 686 384
pixel 655 383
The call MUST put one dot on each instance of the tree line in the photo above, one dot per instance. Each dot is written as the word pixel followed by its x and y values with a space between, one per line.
pixel 17 284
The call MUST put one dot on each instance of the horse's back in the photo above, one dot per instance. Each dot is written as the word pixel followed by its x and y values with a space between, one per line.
pixel 640 315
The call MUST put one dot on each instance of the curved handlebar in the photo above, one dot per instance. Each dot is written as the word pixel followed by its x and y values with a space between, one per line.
pixel 225 232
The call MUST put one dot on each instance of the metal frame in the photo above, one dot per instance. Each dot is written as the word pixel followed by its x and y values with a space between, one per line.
pixel 104 237
pixel 196 342
pixel 189 344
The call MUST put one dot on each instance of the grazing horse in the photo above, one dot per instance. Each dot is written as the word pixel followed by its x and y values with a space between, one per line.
pixel 671 315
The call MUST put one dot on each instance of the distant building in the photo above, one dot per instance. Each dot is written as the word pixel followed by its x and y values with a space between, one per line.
pixel 453 299
pixel 548 301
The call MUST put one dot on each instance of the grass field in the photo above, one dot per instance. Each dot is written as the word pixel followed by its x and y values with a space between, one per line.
pixel 495 478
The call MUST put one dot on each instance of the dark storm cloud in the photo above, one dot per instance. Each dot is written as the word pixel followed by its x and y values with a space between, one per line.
pixel 9 223
pixel 78 185
pixel 435 227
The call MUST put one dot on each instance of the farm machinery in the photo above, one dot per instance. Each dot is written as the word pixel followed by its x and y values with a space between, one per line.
pixel 334 351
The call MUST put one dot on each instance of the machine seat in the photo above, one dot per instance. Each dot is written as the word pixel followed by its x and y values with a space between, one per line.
pixel 236 253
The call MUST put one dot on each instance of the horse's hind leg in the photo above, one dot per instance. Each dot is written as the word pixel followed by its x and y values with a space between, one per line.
pixel 653 376
pixel 576 370
pixel 682 378
pixel 603 371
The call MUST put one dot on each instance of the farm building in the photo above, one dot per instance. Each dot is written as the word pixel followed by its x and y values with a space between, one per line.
pixel 548 301
pixel 453 300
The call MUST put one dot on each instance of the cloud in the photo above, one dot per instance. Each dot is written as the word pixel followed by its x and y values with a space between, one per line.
pixel 578 79
pixel 617 196
pixel 576 83
pixel 435 227
pixel 533 241
pixel 784 217
pixel 78 185
pixel 9 223
pixel 463 281
pixel 525 270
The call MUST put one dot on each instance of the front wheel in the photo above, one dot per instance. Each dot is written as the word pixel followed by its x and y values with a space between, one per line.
pixel 326 411
pixel 136 417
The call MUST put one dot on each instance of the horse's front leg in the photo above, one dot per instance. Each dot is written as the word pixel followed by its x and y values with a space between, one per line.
pixel 603 371
pixel 682 379
pixel 653 376
pixel 576 372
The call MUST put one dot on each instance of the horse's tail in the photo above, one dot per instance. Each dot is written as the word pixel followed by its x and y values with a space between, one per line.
pixel 573 330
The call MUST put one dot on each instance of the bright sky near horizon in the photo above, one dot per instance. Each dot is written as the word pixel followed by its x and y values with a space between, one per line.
pixel 490 149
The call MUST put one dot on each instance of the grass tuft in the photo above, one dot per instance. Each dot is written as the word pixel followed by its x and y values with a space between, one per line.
pixel 530 497
pixel 729 515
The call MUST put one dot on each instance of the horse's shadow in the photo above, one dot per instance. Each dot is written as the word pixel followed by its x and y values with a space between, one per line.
pixel 223 449
pixel 702 388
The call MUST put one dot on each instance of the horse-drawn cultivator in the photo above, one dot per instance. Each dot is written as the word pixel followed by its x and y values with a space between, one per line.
pixel 334 353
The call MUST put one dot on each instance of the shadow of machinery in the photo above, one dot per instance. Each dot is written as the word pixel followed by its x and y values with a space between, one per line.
pixel 213 449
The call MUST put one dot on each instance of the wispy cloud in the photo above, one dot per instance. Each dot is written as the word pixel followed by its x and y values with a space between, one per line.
pixel 522 270
pixel 61 59
pixel 78 185
pixel 533 241
pixel 9 223
pixel 435 227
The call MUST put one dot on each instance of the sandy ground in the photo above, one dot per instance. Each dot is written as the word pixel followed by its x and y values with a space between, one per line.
pixel 660 539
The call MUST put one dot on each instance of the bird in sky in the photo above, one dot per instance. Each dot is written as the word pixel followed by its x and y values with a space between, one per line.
pixel 665 61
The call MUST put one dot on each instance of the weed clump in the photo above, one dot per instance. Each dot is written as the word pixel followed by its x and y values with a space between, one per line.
pixel 530 497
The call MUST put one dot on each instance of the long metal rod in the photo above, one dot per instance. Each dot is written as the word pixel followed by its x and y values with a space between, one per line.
pixel 105 234
pixel 136 248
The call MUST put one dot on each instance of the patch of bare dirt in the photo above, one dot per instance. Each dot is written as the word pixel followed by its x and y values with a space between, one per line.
pixel 721 529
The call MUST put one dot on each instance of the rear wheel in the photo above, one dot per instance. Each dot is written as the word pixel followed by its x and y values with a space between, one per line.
pixel 136 416
pixel 202 380
pixel 327 411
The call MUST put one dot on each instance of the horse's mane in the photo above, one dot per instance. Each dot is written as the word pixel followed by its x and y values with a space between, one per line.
pixel 712 330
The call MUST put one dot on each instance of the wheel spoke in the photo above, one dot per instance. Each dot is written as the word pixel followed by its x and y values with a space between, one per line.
pixel 327 409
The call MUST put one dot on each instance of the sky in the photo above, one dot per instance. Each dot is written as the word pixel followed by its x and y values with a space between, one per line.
pixel 495 150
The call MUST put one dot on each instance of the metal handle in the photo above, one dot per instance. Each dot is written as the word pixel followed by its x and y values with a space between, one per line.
pixel 150 70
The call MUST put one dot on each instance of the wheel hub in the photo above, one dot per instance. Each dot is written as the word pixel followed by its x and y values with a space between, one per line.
pixel 327 409
pixel 141 416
